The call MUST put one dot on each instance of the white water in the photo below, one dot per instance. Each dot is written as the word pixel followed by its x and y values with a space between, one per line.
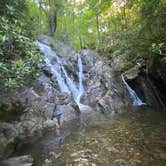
pixel 65 83
pixel 71 85
pixel 81 89
pixel 56 67
pixel 136 101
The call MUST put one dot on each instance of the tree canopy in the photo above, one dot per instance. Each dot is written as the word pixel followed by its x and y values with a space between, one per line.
pixel 127 28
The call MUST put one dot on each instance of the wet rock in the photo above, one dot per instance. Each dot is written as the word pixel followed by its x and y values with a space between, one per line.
pixel 25 160
pixel 68 113
pixel 103 91
pixel 47 71
pixel 95 89
pixel 63 98
pixel 110 103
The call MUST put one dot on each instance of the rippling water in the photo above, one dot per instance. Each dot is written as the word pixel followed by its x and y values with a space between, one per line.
pixel 133 138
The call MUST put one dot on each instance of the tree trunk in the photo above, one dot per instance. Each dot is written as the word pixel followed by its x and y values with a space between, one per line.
pixel 81 46
pixel 52 21
pixel 98 30
pixel 124 15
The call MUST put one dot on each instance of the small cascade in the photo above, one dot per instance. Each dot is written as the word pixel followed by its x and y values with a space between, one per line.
pixel 76 92
pixel 136 101
pixel 81 89
pixel 71 85
pixel 55 68
pixel 65 82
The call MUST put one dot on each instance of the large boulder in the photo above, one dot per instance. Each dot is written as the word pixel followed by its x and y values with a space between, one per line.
pixel 104 92
pixel 68 113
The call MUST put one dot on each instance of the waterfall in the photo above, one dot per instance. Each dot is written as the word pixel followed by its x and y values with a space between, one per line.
pixel 80 74
pixel 136 101
pixel 55 68
pixel 71 85
pixel 65 83
pixel 76 92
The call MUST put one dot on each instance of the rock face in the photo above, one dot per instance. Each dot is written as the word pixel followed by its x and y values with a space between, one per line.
pixel 103 92
pixel 36 107
pixel 144 82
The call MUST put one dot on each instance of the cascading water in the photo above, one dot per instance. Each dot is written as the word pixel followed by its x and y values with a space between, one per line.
pixel 76 92
pixel 60 73
pixel 81 89
pixel 71 84
pixel 56 67
pixel 136 101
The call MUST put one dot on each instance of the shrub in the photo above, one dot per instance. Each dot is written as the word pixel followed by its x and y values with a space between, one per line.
pixel 19 57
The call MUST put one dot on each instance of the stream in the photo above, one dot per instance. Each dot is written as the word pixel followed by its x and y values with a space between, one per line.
pixel 136 137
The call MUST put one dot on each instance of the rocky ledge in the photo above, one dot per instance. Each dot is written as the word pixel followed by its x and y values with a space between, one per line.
pixel 34 107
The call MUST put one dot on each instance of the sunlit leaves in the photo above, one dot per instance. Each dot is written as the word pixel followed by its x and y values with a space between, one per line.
pixel 19 58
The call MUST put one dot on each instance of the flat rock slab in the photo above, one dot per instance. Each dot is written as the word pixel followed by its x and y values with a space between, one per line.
pixel 25 160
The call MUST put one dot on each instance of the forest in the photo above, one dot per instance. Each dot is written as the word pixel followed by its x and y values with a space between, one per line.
pixel 127 28
pixel 82 82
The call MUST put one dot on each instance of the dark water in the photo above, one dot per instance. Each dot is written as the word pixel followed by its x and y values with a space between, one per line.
pixel 133 138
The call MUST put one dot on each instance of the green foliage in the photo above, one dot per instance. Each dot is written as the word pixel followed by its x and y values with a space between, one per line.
pixel 121 28
pixel 18 55
pixel 13 9
pixel 145 32
pixel 130 26
pixel 157 47
pixel 26 11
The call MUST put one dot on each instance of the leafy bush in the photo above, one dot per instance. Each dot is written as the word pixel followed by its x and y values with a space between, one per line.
pixel 19 57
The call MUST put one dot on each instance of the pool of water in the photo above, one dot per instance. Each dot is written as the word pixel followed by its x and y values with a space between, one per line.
pixel 132 138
